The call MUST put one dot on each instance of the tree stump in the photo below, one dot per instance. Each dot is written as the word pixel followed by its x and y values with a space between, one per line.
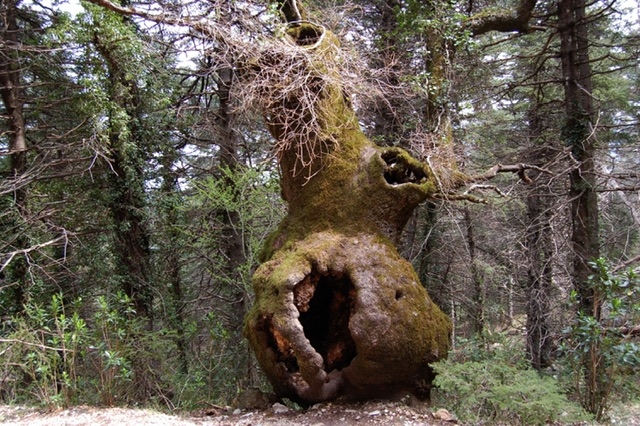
pixel 338 312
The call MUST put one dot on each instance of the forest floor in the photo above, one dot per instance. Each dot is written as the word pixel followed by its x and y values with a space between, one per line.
pixel 368 413
pixel 328 414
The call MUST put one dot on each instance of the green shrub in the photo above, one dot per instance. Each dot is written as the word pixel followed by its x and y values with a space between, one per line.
pixel 598 355
pixel 499 387
pixel 52 357
pixel 39 355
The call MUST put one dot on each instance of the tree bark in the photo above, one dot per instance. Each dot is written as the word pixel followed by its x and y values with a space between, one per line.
pixel 507 20
pixel 232 244
pixel 387 125
pixel 338 312
pixel 477 303
pixel 434 263
pixel 576 72
pixel 539 245
pixel 171 260
pixel 11 92
pixel 127 193
pixel 539 277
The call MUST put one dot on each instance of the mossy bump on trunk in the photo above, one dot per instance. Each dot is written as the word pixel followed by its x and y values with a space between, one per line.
pixel 338 312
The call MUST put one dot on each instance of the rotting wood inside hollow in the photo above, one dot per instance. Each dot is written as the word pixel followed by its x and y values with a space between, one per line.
pixel 326 303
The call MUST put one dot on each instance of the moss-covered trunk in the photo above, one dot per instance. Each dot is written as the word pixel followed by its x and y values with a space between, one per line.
pixel 338 312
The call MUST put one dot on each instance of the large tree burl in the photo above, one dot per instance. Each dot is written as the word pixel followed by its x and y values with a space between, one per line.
pixel 338 312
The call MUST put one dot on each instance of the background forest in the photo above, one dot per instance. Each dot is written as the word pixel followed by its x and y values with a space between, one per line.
pixel 139 184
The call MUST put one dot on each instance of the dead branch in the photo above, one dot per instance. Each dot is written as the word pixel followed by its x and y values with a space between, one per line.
pixel 200 25
pixel 13 254
pixel 520 169
pixel 452 196
pixel 626 263
pixel 35 345
pixel 489 187
pixel 463 180
pixel 630 331
pixel 619 189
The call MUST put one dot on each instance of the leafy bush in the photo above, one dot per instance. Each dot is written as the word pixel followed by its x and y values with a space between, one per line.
pixel 499 386
pixel 600 352
pixel 52 356
pixel 39 354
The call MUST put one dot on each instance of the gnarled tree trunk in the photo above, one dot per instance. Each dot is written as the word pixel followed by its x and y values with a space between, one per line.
pixel 338 311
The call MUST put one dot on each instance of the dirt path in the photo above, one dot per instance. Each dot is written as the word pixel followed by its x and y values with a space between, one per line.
pixel 369 413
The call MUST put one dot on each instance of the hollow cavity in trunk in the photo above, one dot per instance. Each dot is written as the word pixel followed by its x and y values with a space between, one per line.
pixel 325 303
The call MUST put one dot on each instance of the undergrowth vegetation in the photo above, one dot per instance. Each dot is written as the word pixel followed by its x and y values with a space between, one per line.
pixel 490 380
pixel 600 352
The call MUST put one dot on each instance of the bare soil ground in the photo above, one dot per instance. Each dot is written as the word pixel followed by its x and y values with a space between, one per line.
pixel 369 413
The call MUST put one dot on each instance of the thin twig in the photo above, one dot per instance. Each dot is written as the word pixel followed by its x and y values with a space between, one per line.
pixel 15 253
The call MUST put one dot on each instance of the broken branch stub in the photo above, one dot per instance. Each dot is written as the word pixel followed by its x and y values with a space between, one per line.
pixel 338 312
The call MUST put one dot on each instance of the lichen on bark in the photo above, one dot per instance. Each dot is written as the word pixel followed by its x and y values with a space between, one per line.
pixel 338 311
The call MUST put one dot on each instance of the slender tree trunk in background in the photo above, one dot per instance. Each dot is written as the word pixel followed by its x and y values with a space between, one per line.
pixel 131 237
pixel 229 160
pixel 127 192
pixel 538 243
pixel 232 242
pixel 539 247
pixel 227 140
pixel 476 304
pixel 232 239
pixel 539 280
pixel 576 72
pixel 433 266
pixel 172 262
pixel 386 121
pixel 10 89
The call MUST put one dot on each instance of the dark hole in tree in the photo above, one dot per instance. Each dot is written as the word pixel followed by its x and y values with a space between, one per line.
pixel 326 303
pixel 399 294
pixel 398 171
pixel 308 35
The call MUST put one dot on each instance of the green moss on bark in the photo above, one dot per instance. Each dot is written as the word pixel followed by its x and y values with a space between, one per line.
pixel 332 264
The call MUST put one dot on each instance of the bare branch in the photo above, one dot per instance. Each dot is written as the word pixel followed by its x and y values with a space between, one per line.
pixel 449 196
pixel 13 254
pixel 128 11
pixel 630 331
pixel 489 187
pixel 619 189
pixel 520 169
pixel 626 263
pixel 200 25
pixel 35 345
